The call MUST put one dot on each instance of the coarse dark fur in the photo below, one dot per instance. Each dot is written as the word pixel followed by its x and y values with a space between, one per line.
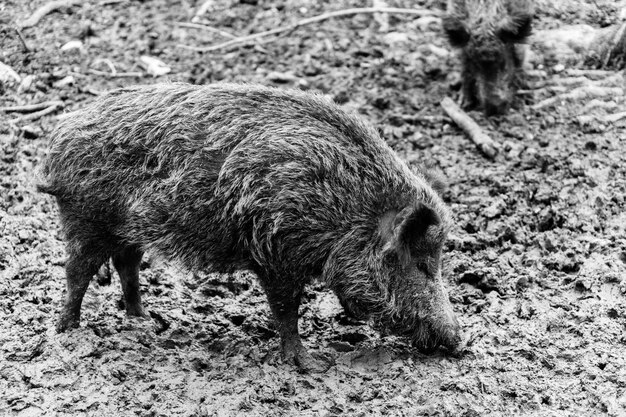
pixel 489 32
pixel 228 176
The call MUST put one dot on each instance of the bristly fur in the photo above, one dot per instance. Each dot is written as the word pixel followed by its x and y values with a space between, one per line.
pixel 484 16
pixel 230 176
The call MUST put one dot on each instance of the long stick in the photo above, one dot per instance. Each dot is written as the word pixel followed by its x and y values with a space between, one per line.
pixel 469 126
pixel 581 93
pixel 251 38
pixel 207 28
pixel 608 118
pixel 21 37
pixel 116 74
pixel 37 115
pixel 27 108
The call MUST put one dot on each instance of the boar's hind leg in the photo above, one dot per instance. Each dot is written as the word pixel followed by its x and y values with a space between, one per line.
pixel 82 264
pixel 126 263
pixel 284 299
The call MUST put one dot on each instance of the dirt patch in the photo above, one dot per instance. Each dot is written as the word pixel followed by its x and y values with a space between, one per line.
pixel 535 265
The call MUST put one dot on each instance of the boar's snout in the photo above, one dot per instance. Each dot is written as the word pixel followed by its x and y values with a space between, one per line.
pixel 495 107
pixel 444 331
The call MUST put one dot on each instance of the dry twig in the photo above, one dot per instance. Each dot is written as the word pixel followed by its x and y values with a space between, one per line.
pixel 587 91
pixel 207 28
pixel 244 40
pixel 63 116
pixel 423 118
pixel 566 81
pixel 115 74
pixel 612 118
pixel 596 104
pixel 486 145
pixel 108 63
pixel 41 113
pixel 44 10
pixel 27 108
pixel 607 118
pixel 21 37
pixel 204 7
pixel 589 73
pixel 551 89
pixel 381 18
pixel 109 2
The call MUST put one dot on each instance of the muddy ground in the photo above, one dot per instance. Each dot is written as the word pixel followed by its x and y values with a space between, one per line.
pixel 535 264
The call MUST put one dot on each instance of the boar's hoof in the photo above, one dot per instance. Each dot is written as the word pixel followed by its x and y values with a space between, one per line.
pixel 301 358
pixel 461 348
pixel 65 323
pixel 136 311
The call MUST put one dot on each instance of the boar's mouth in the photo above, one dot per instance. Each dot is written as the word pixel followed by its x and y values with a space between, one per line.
pixel 435 340
pixel 425 336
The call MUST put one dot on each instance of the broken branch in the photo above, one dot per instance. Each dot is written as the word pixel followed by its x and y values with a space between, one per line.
pixel 44 10
pixel 589 73
pixel 37 115
pixel 486 145
pixel 27 108
pixel 588 91
pixel 21 38
pixel 243 40
pixel 115 74
pixel 207 28
pixel 607 118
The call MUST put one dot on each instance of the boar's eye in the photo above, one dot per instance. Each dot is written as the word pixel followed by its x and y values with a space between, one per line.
pixel 422 267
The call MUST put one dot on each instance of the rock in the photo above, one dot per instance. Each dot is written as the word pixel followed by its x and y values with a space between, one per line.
pixel 495 209
pixel 74 45
pixel 282 77
pixel 521 284
pixel 65 81
pixel 26 84
pixel 153 66
pixel 395 37
pixel 8 75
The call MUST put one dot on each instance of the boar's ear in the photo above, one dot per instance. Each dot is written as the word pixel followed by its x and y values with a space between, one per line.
pixel 436 180
pixel 515 30
pixel 407 227
pixel 412 222
pixel 457 32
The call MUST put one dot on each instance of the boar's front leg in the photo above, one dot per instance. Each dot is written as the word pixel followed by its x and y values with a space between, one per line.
pixel 468 98
pixel 284 296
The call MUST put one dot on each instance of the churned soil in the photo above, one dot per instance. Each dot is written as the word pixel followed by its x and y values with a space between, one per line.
pixel 535 265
